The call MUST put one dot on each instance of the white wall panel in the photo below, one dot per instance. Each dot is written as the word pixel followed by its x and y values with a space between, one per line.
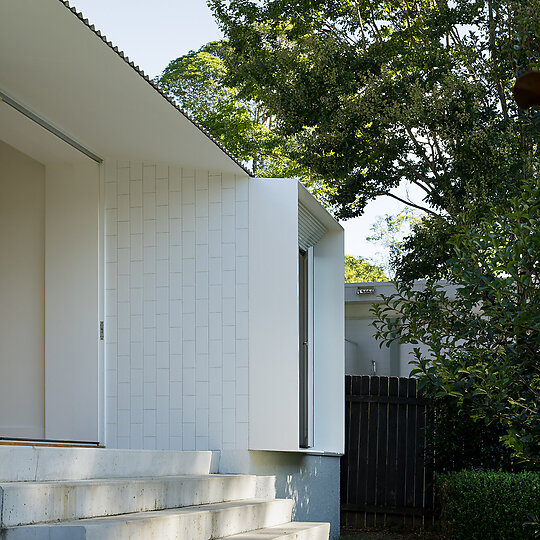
pixel 273 315
pixel 170 269
pixel 202 312
pixel 329 344
pixel 328 335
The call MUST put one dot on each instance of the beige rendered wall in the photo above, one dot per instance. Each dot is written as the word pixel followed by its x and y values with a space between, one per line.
pixel 22 244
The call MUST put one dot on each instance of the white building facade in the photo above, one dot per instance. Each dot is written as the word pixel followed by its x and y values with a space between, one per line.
pixel 150 287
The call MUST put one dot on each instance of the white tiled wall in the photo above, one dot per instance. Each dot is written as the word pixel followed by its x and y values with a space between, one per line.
pixel 176 303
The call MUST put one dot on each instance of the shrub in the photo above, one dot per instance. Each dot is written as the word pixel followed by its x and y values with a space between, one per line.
pixel 455 440
pixel 496 505
pixel 483 342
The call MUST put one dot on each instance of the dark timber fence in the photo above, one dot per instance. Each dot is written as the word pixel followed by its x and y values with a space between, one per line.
pixel 384 479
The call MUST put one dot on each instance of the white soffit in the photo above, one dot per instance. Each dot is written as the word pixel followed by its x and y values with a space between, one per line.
pixel 56 66
pixel 317 210
pixel 310 229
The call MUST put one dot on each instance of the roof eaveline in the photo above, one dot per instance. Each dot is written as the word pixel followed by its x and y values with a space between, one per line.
pixel 153 84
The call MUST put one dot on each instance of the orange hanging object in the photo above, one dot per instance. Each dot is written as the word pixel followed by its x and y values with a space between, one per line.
pixel 527 90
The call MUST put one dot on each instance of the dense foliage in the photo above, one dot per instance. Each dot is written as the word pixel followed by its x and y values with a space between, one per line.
pixel 358 270
pixel 484 332
pixel 494 505
pixel 198 81
pixel 373 94
pixel 457 438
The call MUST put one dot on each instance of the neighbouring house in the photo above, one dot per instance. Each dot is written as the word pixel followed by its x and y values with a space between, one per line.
pixel 364 354
pixel 153 294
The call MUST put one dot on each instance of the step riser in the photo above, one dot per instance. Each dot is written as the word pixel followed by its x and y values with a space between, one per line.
pixel 290 531
pixel 169 525
pixel 26 503
pixel 35 464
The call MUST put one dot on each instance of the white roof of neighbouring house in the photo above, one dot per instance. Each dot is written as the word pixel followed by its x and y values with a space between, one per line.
pixel 58 67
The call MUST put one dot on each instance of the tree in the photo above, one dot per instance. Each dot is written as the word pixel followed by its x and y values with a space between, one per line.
pixel 199 83
pixel 484 344
pixel 376 93
pixel 358 269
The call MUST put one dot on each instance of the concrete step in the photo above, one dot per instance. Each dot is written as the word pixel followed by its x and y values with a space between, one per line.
pixel 37 464
pixel 289 531
pixel 26 503
pixel 195 523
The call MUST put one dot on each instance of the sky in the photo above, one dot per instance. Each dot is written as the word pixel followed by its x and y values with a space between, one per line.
pixel 154 33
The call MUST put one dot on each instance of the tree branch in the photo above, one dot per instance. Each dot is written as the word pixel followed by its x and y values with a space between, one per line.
pixel 439 153
pixel 421 152
pixel 458 42
pixel 500 90
pixel 409 203
pixel 330 29
pixel 374 26
pixel 339 34
pixel 361 23
pixel 418 175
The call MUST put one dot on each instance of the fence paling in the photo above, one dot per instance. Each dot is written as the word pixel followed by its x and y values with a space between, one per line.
pixel 384 476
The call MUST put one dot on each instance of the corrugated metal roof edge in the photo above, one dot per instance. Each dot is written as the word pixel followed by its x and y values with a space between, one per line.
pixel 163 94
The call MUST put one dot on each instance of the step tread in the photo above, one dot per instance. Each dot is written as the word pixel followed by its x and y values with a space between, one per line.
pixel 39 463
pixel 158 514
pixel 285 532
pixel 24 503
pixel 116 480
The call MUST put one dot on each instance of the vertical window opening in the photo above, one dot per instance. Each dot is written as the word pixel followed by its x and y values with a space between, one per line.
pixel 304 393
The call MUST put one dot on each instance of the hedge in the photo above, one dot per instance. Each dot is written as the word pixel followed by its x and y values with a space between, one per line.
pixel 477 505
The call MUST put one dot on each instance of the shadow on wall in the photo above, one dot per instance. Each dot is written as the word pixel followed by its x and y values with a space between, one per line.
pixel 311 481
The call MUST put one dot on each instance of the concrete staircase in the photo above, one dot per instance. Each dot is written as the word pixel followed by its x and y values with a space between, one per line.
pixel 90 494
